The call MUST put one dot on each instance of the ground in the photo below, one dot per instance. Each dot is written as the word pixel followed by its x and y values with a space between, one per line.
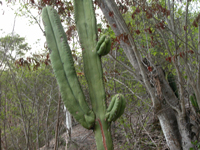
pixel 81 139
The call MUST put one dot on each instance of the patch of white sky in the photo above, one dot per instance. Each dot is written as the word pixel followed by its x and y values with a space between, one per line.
pixel 24 25
pixel 193 6
pixel 21 25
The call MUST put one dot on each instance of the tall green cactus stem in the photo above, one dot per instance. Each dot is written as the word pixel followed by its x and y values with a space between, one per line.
pixel 64 70
pixel 87 30
pixel 99 118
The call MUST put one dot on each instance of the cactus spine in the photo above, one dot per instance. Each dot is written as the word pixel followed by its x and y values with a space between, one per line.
pixel 99 118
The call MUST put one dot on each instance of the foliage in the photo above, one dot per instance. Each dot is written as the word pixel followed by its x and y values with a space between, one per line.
pixel 197 145
pixel 20 47
pixel 28 96
pixel 163 37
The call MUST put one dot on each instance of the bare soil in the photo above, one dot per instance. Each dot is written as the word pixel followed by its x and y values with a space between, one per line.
pixel 81 139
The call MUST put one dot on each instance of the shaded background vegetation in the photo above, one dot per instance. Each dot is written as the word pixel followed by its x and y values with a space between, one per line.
pixel 30 95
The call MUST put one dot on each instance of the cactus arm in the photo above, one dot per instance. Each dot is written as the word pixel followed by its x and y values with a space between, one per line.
pixel 116 108
pixel 101 40
pixel 103 46
pixel 62 63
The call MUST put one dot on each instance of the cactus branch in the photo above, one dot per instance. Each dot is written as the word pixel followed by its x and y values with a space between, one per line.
pixel 103 46
pixel 116 108
pixel 62 63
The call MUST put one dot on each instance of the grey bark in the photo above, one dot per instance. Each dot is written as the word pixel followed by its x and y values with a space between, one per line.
pixel 169 114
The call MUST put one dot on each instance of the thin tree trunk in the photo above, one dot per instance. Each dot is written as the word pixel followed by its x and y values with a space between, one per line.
pixel 38 128
pixel 57 126
pixel 47 127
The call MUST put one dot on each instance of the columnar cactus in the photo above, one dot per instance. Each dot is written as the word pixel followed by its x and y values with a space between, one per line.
pixel 98 118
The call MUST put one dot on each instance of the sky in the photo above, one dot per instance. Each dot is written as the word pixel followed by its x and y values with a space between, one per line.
pixel 22 26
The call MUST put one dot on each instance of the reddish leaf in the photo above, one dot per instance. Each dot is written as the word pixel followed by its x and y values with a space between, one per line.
pixel 47 56
pixel 114 25
pixel 191 51
pixel 169 59
pixel 137 31
pixel 111 14
pixel 185 28
pixel 150 68
pixel 195 24
pixel 162 26
pixel 168 13
pixel 181 54
pixel 149 15
pixel 99 30
pixel 105 80
pixel 80 74
pixel 36 66
pixel 137 10
pixel 133 16
pixel 150 31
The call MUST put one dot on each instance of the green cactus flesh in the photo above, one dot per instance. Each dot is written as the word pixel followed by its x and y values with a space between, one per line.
pixel 116 108
pixel 99 118
pixel 87 30
pixel 172 84
pixel 62 63
pixel 103 45
pixel 86 27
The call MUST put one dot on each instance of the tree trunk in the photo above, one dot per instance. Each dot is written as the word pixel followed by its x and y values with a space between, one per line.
pixel 171 116
pixel 184 129
pixel 169 127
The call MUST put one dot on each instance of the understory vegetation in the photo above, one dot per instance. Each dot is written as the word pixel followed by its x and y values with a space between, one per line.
pixel 153 62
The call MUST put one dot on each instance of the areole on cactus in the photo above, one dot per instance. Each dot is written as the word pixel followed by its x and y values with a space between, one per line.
pixel 98 118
